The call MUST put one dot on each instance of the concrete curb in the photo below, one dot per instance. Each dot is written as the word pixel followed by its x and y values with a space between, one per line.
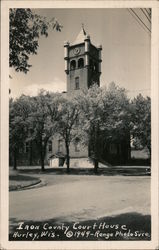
pixel 38 184
pixel 41 183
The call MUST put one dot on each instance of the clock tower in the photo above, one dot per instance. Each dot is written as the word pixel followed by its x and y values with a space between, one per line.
pixel 82 63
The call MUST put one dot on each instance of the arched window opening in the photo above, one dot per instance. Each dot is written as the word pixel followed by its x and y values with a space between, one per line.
pixel 80 63
pixel 91 64
pixel 77 83
pixel 96 66
pixel 73 65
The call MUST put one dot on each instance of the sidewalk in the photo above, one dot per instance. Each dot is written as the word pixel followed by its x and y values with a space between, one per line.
pixel 35 171
pixel 32 176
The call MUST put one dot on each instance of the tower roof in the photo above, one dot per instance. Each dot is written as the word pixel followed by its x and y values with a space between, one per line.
pixel 81 36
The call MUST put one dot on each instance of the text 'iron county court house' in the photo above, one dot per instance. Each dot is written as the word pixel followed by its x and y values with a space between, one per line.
pixel 83 68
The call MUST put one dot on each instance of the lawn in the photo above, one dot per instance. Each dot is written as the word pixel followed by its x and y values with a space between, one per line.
pixel 18 181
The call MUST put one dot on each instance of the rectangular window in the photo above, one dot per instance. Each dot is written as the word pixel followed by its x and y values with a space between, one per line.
pixel 77 83
pixel 113 148
pixel 21 150
pixel 26 147
pixel 60 146
pixel 77 145
pixel 50 146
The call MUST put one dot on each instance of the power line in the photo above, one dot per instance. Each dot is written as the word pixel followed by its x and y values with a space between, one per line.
pixel 137 20
pixel 149 13
pixel 145 15
pixel 141 20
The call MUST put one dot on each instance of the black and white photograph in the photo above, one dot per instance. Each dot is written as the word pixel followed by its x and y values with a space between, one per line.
pixel 81 159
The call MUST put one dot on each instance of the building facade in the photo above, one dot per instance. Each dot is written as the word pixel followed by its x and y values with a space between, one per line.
pixel 83 69
pixel 82 63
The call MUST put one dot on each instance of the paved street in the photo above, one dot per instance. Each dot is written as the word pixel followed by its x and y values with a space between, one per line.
pixel 75 197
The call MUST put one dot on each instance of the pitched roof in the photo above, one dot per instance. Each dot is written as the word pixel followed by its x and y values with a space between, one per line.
pixel 81 36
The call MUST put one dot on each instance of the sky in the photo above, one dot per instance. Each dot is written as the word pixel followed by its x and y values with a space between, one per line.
pixel 126 51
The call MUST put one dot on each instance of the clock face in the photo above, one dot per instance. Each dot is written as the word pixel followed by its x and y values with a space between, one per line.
pixel 76 51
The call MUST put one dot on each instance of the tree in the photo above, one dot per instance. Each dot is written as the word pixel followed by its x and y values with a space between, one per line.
pixel 141 120
pixel 67 124
pixel 43 121
pixel 90 103
pixel 117 120
pixel 116 111
pixel 19 111
pixel 106 118
pixel 25 30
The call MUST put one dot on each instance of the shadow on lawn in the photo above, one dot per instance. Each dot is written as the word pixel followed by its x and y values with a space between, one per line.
pixel 136 227
pixel 19 177
pixel 111 171
pixel 18 182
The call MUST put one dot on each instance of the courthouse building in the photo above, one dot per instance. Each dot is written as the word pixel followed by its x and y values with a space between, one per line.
pixel 83 68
